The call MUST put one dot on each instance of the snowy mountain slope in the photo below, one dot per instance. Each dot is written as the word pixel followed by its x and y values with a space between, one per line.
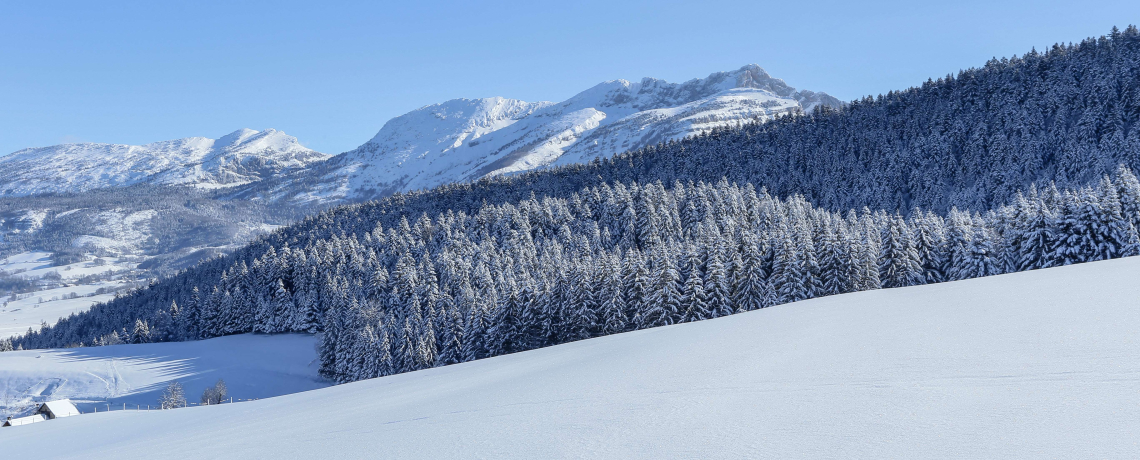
pixel 465 139
pixel 253 366
pixel 240 157
pixel 112 239
pixel 154 207
pixel 1036 364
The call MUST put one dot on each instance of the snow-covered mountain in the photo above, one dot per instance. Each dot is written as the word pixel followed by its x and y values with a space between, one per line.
pixel 1039 364
pixel 466 139
pixel 240 157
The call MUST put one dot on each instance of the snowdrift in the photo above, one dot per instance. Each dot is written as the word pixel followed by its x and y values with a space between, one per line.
pixel 1026 365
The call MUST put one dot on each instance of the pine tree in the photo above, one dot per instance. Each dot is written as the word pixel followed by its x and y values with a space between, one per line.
pixel 637 287
pixel 831 263
pixel 664 306
pixel 753 292
pixel 612 298
pixel 1034 238
pixel 788 273
pixel 960 264
pixel 694 300
pixel 141 332
pixel 717 286
pixel 384 362
pixel 452 349
pixel 583 305
pixel 426 349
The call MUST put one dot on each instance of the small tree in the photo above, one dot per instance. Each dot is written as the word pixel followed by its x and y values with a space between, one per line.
pixel 215 394
pixel 174 396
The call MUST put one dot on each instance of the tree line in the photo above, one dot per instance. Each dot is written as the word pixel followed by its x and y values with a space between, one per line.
pixel 513 277
pixel 665 234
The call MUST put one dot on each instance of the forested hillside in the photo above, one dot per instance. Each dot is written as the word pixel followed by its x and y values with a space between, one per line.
pixel 178 225
pixel 693 229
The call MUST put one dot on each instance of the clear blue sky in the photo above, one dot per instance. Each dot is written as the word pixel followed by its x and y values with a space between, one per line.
pixel 332 73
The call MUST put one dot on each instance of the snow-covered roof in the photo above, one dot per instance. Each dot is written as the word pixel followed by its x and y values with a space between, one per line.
pixel 59 408
pixel 24 420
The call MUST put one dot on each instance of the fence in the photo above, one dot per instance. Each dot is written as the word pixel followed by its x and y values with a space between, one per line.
pixel 108 407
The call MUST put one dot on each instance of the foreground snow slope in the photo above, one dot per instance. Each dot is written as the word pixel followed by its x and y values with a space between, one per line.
pixel 1031 365
pixel 253 366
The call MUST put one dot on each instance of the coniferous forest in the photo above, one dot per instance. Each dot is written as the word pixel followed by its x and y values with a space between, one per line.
pixel 1021 164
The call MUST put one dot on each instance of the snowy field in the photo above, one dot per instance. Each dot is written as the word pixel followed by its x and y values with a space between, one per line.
pixel 253 366
pixel 16 316
pixel 32 265
pixel 1030 365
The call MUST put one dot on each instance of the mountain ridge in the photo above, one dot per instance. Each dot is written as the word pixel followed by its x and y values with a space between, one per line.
pixel 237 158
pixel 462 139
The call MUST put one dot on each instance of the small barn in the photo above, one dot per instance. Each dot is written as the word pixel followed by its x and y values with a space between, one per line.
pixel 58 408
pixel 24 420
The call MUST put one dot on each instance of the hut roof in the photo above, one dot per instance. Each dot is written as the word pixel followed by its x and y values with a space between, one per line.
pixel 59 408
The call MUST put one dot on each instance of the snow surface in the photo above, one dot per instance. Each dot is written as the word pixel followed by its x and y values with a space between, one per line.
pixel 25 261
pixel 1029 365
pixel 466 139
pixel 253 366
pixel 48 304
pixel 240 157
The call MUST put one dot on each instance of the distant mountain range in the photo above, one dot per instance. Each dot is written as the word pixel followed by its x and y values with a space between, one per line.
pixel 175 202
pixel 241 157
pixel 453 141
pixel 466 139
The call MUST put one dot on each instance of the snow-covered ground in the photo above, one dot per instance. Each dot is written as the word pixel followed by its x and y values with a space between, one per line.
pixel 33 265
pixel 253 366
pixel 1031 365
pixel 48 304
pixel 25 261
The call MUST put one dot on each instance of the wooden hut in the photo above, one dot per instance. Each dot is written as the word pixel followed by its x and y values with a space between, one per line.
pixel 58 408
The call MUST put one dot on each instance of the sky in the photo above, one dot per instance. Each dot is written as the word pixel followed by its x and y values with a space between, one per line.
pixel 331 73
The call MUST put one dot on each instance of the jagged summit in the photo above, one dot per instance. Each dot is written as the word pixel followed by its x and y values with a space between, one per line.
pixel 240 157
pixel 452 141
pixel 466 139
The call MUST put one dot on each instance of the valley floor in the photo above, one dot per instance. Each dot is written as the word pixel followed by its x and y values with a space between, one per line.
pixel 1040 364
pixel 72 293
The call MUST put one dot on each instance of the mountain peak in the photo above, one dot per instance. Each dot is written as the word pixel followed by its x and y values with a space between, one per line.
pixel 237 137
pixel 466 139
pixel 243 156
pixel 753 76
